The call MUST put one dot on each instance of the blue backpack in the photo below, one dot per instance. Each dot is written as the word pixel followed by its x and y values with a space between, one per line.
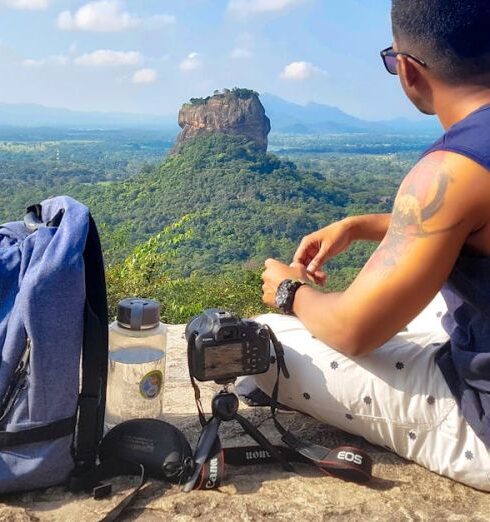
pixel 53 345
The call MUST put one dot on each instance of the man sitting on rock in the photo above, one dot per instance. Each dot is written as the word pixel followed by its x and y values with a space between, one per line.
pixel 424 394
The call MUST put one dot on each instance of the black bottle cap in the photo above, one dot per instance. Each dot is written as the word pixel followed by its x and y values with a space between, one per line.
pixel 135 313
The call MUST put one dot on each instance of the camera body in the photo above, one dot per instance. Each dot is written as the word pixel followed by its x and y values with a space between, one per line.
pixel 222 346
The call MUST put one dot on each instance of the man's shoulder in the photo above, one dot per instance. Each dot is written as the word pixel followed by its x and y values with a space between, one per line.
pixel 458 171
pixel 470 137
pixel 452 186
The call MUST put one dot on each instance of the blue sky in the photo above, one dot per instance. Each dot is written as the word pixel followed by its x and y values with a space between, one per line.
pixel 149 56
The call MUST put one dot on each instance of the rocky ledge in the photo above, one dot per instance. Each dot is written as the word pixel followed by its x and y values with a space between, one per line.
pixel 400 490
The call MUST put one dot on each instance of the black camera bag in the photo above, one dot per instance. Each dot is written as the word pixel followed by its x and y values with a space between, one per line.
pixel 147 448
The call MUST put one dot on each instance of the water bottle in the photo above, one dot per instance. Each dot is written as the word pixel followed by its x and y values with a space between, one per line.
pixel 136 373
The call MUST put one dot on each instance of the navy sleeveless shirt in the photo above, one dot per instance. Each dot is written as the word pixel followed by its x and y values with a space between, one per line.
pixel 465 359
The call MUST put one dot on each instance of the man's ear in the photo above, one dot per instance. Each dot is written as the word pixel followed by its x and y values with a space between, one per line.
pixel 416 83
pixel 408 70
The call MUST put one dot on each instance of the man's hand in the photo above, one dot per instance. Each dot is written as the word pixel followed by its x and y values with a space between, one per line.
pixel 316 248
pixel 276 272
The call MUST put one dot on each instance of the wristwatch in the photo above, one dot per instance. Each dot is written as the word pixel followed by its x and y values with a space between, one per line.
pixel 285 294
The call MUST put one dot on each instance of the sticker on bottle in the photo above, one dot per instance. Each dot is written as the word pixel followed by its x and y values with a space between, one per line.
pixel 151 384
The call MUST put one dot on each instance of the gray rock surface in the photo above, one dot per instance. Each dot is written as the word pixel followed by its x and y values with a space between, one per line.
pixel 227 114
pixel 399 491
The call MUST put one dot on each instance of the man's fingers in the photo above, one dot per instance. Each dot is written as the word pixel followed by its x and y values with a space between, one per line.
pixel 270 262
pixel 299 256
pixel 305 251
pixel 320 278
pixel 317 262
pixel 313 266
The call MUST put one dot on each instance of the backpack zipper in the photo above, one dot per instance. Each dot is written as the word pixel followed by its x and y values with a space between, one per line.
pixel 18 382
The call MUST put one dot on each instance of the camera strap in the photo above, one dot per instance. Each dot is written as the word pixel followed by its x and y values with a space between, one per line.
pixel 346 462
pixel 191 344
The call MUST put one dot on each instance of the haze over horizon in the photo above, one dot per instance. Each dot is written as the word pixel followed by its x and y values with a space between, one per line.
pixel 173 113
pixel 129 57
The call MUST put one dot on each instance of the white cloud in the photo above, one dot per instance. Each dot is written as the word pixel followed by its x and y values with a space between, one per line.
pixel 50 60
pixel 191 63
pixel 102 16
pixel 144 76
pixel 251 7
pixel 26 5
pixel 108 16
pixel 299 71
pixel 108 58
pixel 99 58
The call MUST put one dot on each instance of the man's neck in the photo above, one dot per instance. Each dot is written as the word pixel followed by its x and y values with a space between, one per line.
pixel 453 104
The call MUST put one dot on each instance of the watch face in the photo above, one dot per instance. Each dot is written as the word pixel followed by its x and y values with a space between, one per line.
pixel 282 295
pixel 285 295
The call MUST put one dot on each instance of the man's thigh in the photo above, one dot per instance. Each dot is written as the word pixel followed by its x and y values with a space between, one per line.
pixel 395 397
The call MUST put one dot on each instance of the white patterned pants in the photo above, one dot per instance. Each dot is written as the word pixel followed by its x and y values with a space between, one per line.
pixel 395 397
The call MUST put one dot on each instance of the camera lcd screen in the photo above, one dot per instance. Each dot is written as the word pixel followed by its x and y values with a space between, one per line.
pixel 222 360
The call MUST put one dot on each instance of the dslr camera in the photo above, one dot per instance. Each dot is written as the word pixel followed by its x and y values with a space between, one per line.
pixel 221 346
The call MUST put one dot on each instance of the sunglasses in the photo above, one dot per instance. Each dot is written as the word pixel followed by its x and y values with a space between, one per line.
pixel 388 56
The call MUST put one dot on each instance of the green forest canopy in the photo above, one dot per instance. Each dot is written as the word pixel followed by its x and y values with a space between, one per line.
pixel 239 92
pixel 194 230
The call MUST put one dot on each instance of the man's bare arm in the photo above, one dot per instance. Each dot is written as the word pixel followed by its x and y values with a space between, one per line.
pixel 370 227
pixel 320 246
pixel 439 204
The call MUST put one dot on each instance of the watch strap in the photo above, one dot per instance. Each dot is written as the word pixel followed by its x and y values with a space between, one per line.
pixel 286 293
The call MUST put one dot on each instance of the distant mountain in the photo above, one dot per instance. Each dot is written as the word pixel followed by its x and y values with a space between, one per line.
pixel 285 116
pixel 314 118
pixel 31 115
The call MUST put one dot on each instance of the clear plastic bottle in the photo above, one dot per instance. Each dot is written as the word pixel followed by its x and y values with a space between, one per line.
pixel 137 353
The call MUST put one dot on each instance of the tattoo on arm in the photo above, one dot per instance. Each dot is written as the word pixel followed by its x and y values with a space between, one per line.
pixel 420 198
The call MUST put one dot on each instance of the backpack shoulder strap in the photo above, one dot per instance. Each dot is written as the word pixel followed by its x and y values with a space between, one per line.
pixel 91 406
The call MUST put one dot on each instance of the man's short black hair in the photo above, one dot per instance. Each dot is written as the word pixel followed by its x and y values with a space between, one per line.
pixel 452 36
